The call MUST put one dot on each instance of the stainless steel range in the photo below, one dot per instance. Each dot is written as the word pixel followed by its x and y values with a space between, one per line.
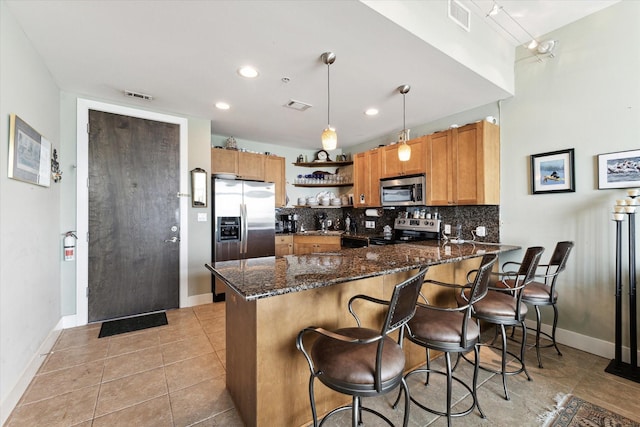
pixel 409 229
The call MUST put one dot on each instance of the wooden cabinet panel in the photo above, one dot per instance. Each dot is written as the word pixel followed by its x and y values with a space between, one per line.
pixel 391 166
pixel 366 185
pixel 284 245
pixel 244 165
pixel 464 166
pixel 315 244
pixel 224 161
pixel 439 169
pixel 251 166
pixel 274 171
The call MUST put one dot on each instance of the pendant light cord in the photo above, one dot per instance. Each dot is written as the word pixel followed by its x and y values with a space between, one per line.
pixel 328 97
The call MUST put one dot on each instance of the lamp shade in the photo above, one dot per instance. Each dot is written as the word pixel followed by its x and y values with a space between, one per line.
pixel 404 152
pixel 329 138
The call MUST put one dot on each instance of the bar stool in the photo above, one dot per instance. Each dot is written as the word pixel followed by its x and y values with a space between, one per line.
pixel 450 330
pixel 503 306
pixel 542 293
pixel 363 362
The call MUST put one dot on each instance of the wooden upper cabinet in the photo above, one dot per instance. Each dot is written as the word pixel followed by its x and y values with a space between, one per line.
pixel 251 166
pixel 439 169
pixel 391 166
pixel 243 165
pixel 366 182
pixel 224 161
pixel 274 171
pixel 464 166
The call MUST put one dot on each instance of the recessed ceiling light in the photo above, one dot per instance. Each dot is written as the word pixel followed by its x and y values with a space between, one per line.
pixel 222 106
pixel 248 71
pixel 371 112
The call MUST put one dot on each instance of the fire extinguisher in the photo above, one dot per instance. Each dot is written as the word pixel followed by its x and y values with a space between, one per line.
pixel 69 246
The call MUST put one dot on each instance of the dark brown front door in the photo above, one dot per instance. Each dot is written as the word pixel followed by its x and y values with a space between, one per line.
pixel 133 216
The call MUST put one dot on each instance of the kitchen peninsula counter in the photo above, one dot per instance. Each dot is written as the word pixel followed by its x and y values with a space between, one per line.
pixel 269 300
pixel 270 276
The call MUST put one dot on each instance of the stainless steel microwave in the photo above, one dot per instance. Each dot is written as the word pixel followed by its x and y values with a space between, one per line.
pixel 404 191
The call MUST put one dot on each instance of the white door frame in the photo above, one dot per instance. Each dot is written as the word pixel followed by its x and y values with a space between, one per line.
pixel 82 197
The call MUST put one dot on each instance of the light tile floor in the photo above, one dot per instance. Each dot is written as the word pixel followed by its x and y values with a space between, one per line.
pixel 174 375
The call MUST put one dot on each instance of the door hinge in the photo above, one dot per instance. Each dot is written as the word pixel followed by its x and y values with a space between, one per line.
pixel 87 292
pixel 87 182
pixel 87 237
pixel 88 128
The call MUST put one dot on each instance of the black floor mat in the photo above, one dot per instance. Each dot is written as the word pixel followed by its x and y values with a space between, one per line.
pixel 130 324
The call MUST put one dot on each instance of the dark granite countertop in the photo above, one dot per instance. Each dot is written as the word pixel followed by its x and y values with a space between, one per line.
pixel 270 276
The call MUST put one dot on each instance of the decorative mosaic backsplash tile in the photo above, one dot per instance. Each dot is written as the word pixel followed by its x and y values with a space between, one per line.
pixel 469 217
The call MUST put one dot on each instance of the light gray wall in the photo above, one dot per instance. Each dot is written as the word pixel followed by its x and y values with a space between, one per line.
pixel 587 98
pixel 30 240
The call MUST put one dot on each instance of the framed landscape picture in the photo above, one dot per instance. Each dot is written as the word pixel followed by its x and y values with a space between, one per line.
pixel 553 172
pixel 29 153
pixel 619 170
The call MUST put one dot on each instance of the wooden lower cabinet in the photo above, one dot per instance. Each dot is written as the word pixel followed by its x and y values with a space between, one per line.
pixel 268 378
pixel 284 245
pixel 315 244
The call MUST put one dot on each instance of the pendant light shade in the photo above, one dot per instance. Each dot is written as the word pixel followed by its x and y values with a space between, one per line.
pixel 329 135
pixel 404 150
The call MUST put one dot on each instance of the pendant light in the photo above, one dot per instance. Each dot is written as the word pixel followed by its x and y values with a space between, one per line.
pixel 404 150
pixel 329 135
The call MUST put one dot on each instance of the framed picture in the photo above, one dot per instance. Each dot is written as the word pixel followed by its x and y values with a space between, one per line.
pixel 29 154
pixel 553 172
pixel 619 170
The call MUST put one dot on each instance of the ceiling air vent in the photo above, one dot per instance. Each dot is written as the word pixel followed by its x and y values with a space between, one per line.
pixel 137 95
pixel 297 105
pixel 460 14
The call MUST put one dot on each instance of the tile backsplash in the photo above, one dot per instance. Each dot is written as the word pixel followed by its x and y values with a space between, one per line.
pixel 469 217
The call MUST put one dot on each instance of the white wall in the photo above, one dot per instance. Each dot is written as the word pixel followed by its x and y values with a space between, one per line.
pixel 30 240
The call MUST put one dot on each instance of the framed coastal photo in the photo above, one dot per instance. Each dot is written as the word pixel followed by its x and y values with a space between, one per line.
pixel 619 170
pixel 29 154
pixel 553 172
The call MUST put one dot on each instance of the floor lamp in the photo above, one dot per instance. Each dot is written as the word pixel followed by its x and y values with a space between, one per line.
pixel 626 208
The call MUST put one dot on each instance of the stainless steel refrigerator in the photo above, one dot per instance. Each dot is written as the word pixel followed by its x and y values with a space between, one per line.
pixel 244 225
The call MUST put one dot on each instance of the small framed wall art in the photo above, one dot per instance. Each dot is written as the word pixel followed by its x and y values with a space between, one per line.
pixel 619 170
pixel 553 172
pixel 29 154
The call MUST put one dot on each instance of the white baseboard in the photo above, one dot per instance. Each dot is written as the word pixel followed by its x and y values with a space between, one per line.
pixel 200 299
pixel 30 371
pixel 585 343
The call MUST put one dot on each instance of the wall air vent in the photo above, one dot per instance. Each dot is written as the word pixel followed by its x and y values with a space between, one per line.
pixel 460 14
pixel 138 95
pixel 297 105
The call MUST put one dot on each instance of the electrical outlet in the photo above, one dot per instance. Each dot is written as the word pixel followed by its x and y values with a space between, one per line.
pixel 481 231
pixel 370 224
pixel 447 229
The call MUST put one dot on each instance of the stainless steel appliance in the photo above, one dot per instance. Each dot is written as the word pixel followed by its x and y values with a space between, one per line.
pixel 409 230
pixel 408 190
pixel 243 225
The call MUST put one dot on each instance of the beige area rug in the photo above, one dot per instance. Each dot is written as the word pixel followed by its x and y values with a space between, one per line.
pixel 575 412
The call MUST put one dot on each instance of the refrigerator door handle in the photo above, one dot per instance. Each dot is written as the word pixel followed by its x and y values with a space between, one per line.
pixel 244 229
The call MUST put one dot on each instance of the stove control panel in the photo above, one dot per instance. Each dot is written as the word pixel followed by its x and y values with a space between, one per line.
pixel 432 225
